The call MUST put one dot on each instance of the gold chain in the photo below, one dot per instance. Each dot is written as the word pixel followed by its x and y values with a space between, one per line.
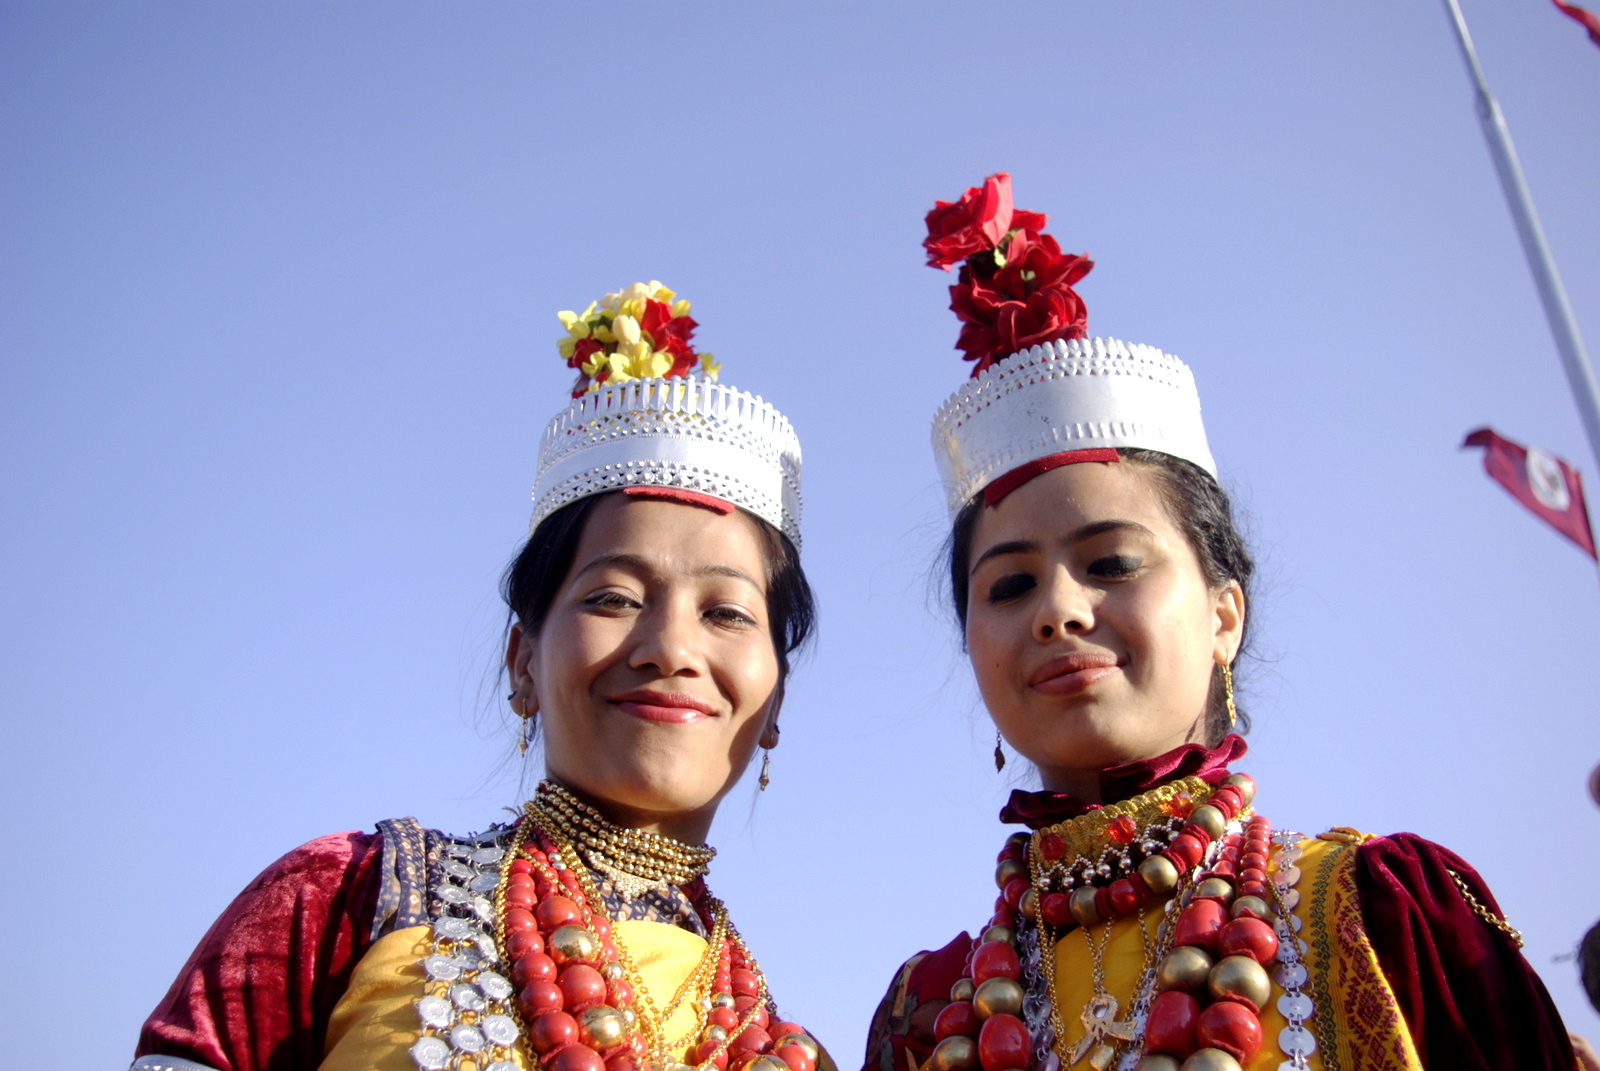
pixel 1047 962
pixel 652 1023
pixel 1482 912
pixel 524 831
pixel 1097 955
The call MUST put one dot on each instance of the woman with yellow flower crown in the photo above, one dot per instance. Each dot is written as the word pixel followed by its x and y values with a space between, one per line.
pixel 653 611
pixel 1150 917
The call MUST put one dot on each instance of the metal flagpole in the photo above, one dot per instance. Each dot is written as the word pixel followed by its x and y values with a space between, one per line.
pixel 1562 325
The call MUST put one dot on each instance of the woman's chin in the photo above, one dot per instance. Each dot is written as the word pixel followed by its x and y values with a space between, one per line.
pixel 1091 746
pixel 654 787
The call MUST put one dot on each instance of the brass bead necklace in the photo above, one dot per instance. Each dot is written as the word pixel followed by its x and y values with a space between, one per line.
pixel 634 860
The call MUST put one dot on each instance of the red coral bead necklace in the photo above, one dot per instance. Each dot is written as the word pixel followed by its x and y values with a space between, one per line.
pixel 1204 981
pixel 580 996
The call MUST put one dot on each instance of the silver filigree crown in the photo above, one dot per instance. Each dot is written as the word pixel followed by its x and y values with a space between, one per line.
pixel 1077 394
pixel 683 433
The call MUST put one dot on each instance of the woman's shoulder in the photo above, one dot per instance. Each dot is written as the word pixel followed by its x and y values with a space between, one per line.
pixel 1447 954
pixel 312 913
pixel 391 866
pixel 317 875
pixel 1399 874
pixel 918 992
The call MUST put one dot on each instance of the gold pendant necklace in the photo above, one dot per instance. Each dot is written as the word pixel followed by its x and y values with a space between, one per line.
pixel 1103 1032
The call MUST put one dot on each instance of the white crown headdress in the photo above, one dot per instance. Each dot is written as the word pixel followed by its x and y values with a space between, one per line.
pixel 1073 394
pixel 638 420
pixel 1040 389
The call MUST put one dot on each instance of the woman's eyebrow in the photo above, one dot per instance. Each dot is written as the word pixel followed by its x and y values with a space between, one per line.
pixel 730 571
pixel 1077 535
pixel 633 563
pixel 638 564
pixel 1089 531
pixel 1017 546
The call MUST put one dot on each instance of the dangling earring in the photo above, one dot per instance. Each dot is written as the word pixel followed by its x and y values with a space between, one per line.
pixel 526 735
pixel 1227 694
pixel 999 754
pixel 766 768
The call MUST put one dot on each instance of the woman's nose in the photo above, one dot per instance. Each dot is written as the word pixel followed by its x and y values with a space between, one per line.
pixel 665 641
pixel 1064 609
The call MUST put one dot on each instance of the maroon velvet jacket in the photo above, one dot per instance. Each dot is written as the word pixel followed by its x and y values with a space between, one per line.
pixel 257 992
pixel 1470 1000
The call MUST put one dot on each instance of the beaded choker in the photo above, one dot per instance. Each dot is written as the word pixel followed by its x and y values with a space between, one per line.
pixel 632 859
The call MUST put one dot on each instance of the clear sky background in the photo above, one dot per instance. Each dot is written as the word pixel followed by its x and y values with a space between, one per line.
pixel 278 289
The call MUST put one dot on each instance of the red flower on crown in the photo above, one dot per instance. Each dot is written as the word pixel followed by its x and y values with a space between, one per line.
pixel 671 333
pixel 1015 286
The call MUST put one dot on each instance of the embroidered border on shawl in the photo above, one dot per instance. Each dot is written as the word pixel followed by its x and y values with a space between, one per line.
pixel 404 880
pixel 1365 1030
pixel 1326 1028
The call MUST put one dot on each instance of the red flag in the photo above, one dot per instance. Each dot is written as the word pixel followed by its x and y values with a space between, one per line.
pixel 1548 486
pixel 1587 19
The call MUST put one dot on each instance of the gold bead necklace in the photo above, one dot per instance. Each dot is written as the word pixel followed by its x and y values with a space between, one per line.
pixel 633 859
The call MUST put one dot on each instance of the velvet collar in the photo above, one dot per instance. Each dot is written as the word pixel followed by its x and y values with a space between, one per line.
pixel 1039 809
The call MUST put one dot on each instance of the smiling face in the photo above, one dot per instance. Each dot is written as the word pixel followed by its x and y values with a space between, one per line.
pixel 654 674
pixel 1090 626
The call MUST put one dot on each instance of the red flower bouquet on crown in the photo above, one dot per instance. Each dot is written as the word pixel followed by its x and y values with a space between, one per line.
pixel 1015 286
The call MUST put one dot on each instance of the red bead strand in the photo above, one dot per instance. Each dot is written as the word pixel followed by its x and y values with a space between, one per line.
pixel 575 998
pixel 1212 984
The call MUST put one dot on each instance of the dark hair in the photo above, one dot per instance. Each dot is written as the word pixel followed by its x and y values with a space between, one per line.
pixel 1200 508
pixel 531 581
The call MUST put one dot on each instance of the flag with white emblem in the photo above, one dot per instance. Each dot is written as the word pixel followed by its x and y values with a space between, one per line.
pixel 1548 486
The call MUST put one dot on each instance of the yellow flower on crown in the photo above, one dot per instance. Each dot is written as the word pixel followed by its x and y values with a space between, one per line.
pixel 631 299
pixel 578 326
pixel 625 329
pixel 639 332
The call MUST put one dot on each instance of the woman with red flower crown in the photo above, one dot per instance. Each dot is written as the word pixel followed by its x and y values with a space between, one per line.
pixel 653 611
pixel 1149 916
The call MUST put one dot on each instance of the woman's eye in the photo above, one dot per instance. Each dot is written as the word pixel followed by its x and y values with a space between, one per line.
pixel 730 615
pixel 1011 587
pixel 1114 566
pixel 610 600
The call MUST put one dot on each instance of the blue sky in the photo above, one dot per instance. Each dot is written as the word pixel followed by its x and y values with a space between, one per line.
pixel 277 300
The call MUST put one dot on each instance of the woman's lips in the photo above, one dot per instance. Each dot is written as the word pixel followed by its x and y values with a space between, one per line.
pixel 1072 674
pixel 672 708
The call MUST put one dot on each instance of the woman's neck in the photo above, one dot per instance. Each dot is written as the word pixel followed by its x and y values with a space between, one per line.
pixel 687 827
pixel 1084 784
pixel 1070 792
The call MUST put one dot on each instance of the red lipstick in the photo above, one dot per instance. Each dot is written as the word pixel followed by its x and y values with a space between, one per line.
pixel 672 708
pixel 1072 674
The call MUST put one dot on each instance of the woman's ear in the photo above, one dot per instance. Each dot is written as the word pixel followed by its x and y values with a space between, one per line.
pixel 769 732
pixel 1228 616
pixel 520 649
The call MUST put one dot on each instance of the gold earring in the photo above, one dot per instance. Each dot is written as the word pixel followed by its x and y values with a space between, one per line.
pixel 525 736
pixel 999 754
pixel 1227 694
pixel 766 768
